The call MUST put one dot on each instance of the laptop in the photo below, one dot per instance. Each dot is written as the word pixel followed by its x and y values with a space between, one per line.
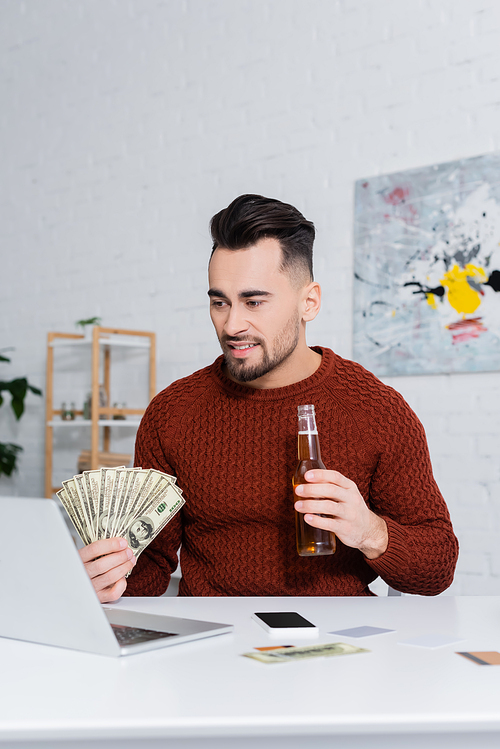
pixel 47 597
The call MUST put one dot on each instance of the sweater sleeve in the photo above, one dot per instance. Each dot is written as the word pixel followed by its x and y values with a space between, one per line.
pixel 422 551
pixel 151 575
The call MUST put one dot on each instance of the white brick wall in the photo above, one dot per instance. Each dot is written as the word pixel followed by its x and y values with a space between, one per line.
pixel 125 126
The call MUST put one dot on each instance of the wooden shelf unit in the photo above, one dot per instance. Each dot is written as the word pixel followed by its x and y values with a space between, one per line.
pixel 105 338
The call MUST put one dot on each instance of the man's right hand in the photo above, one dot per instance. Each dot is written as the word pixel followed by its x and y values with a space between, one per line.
pixel 107 562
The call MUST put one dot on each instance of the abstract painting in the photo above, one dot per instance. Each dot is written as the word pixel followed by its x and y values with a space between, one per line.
pixel 427 269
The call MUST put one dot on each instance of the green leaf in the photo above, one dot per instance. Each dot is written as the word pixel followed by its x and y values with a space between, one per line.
pixel 17 406
pixel 15 387
pixel 8 457
pixel 18 389
pixel 88 321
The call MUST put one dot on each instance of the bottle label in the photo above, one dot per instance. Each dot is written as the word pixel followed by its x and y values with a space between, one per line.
pixel 309 431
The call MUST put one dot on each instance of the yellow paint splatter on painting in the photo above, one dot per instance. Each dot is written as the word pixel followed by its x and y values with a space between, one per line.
pixel 462 297
pixel 431 301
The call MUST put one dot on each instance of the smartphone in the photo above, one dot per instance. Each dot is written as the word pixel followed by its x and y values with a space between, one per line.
pixel 283 623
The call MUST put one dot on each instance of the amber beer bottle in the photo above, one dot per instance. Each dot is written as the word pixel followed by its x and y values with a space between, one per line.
pixel 311 542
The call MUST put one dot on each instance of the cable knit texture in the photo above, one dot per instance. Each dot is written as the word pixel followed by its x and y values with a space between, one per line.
pixel 234 450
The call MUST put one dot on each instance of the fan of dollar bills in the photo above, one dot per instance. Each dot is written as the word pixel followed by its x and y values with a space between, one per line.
pixel 134 503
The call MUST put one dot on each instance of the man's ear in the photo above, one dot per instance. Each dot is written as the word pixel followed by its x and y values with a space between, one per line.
pixel 311 301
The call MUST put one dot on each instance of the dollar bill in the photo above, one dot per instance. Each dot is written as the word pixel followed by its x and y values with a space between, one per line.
pixel 137 480
pixel 287 654
pixel 109 478
pixel 73 514
pixel 133 503
pixel 127 478
pixel 117 484
pixel 154 480
pixel 86 505
pixel 147 525
pixel 92 488
pixel 78 509
pixel 129 504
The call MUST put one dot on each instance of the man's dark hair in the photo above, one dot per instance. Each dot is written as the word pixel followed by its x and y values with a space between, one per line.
pixel 252 217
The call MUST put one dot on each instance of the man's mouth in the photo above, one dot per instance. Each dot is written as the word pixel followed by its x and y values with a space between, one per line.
pixel 241 349
pixel 242 346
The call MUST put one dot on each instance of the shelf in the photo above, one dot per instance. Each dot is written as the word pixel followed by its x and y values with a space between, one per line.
pixel 98 347
pixel 111 341
pixel 88 423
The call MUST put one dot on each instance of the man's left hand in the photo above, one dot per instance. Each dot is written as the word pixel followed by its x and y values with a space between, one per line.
pixel 330 493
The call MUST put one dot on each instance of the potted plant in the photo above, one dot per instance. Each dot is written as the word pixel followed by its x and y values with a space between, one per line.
pixel 18 389
pixel 90 321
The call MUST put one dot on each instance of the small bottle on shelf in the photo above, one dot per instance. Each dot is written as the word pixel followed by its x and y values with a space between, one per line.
pixel 103 401
pixel 119 417
pixel 87 407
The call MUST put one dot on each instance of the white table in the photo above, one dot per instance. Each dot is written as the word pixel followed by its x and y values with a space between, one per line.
pixel 204 694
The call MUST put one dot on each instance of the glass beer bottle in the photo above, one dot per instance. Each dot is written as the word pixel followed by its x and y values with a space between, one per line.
pixel 310 541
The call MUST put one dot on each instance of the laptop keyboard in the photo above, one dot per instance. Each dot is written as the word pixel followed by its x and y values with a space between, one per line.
pixel 134 635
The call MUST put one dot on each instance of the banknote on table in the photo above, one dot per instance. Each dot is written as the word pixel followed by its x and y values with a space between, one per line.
pixel 133 503
pixel 287 654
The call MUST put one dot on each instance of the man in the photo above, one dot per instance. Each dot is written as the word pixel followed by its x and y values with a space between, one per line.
pixel 139 532
pixel 228 432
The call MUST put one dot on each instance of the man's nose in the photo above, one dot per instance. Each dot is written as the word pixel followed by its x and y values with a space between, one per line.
pixel 235 321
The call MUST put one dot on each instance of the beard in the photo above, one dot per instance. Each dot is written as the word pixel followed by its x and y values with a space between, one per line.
pixel 283 346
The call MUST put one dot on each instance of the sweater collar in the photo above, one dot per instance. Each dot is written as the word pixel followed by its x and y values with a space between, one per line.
pixel 325 370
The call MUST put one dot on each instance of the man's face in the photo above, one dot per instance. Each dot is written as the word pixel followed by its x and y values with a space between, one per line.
pixel 140 530
pixel 255 310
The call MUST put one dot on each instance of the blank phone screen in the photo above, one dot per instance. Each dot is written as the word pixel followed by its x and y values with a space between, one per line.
pixel 284 619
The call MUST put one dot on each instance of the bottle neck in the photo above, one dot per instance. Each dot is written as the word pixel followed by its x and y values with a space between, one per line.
pixel 308 441
pixel 307 422
pixel 308 447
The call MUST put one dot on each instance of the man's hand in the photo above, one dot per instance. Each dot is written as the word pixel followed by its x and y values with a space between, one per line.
pixel 331 493
pixel 107 562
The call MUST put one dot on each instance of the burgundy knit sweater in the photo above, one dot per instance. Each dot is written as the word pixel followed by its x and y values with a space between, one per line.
pixel 233 449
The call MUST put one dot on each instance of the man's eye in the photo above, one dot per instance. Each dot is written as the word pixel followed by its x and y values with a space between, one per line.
pixel 217 303
pixel 253 303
